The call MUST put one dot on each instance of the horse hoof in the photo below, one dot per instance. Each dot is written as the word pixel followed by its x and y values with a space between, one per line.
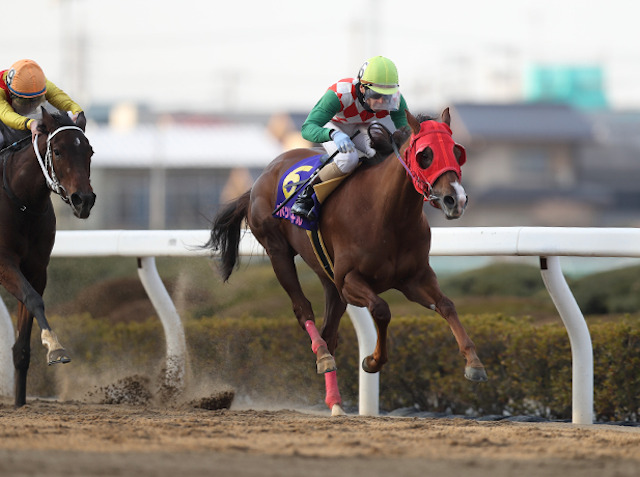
pixel 337 410
pixel 478 375
pixel 58 356
pixel 366 368
pixel 326 364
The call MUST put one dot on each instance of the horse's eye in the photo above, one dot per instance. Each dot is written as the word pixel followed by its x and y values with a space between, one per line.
pixel 56 152
pixel 425 157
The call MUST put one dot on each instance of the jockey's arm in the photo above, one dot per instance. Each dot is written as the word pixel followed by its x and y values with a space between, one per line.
pixel 313 129
pixel 9 117
pixel 399 117
pixel 61 100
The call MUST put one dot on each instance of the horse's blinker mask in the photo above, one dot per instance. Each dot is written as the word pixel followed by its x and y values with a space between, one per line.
pixel 436 136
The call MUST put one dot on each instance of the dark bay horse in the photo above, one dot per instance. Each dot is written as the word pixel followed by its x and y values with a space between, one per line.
pixel 375 232
pixel 59 161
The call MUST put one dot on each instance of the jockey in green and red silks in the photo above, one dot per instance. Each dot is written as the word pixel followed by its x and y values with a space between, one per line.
pixel 351 105
pixel 23 88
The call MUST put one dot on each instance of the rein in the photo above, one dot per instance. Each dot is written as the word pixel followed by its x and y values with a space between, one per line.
pixel 14 145
pixel 46 165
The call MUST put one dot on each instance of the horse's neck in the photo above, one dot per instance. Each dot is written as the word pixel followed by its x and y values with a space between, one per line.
pixel 24 175
pixel 398 196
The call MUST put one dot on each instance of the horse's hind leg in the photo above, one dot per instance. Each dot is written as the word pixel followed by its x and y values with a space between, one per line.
pixel 285 270
pixel 334 309
pixel 426 292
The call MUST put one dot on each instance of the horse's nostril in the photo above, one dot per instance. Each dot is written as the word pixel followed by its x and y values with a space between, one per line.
pixel 78 200
pixel 449 201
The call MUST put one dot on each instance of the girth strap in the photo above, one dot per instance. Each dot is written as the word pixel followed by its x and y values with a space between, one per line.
pixel 315 237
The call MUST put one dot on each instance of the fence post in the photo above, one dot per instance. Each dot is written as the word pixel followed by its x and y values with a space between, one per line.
pixel 173 330
pixel 579 338
pixel 369 384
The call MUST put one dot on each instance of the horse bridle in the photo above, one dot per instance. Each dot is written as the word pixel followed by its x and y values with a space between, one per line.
pixel 47 164
pixel 427 185
pixel 428 196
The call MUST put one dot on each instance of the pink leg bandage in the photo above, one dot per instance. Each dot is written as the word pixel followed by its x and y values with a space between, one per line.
pixel 316 339
pixel 333 394
pixel 331 378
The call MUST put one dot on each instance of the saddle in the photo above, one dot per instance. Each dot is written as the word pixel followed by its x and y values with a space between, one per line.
pixel 298 174
pixel 292 183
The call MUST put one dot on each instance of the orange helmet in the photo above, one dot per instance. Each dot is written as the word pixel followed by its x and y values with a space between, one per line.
pixel 26 79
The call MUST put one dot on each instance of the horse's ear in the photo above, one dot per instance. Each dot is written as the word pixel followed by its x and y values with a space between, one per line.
pixel 413 122
pixel 446 117
pixel 48 120
pixel 81 120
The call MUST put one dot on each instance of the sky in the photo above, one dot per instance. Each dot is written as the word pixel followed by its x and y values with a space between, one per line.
pixel 269 57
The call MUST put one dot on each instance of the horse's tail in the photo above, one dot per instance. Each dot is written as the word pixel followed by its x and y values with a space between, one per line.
pixel 225 233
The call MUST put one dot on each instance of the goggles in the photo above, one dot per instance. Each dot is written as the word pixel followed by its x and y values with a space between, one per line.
pixel 27 106
pixel 381 102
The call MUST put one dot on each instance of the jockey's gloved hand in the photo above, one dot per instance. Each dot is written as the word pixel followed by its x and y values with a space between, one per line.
pixel 343 142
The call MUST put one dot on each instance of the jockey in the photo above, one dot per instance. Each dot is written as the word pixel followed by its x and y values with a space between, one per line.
pixel 348 106
pixel 23 88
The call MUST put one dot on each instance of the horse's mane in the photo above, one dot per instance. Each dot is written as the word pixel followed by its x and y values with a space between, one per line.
pixel 382 140
pixel 62 119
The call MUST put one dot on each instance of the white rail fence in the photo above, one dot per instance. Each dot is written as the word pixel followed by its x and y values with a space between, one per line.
pixel 548 243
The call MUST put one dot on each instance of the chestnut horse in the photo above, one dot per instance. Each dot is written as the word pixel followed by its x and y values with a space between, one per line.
pixel 58 161
pixel 374 231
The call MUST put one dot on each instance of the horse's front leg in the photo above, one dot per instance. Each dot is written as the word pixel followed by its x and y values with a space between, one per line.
pixel 426 291
pixel 357 292
pixel 31 297
pixel 284 268
pixel 474 369
pixel 22 354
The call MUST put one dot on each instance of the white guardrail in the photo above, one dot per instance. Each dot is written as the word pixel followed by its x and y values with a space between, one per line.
pixel 548 243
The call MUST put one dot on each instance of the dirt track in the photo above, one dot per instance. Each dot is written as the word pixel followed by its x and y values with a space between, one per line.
pixel 81 439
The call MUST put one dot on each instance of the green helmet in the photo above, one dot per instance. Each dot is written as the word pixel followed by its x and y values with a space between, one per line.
pixel 380 75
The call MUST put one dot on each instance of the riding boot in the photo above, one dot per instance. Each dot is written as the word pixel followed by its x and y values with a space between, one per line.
pixel 303 206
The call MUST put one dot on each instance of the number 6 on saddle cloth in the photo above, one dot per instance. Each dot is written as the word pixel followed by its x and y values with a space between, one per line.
pixel 294 181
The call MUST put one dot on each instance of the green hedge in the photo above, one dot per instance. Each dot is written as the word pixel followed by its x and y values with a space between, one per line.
pixel 613 291
pixel 268 360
